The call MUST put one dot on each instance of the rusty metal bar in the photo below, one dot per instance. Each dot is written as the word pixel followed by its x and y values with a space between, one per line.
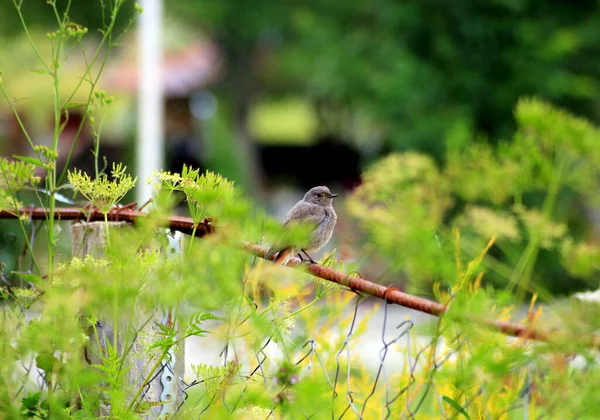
pixel 393 295
pixel 125 214
pixel 389 294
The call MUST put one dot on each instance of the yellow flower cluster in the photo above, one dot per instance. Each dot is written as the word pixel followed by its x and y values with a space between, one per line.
pixel 102 192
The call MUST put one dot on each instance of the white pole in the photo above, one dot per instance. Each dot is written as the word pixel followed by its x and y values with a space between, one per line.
pixel 150 141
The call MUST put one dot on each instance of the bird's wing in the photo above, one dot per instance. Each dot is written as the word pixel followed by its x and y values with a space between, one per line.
pixel 300 213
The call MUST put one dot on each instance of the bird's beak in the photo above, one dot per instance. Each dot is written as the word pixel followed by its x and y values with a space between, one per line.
pixel 333 195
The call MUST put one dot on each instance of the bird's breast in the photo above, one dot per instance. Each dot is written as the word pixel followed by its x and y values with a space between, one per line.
pixel 330 214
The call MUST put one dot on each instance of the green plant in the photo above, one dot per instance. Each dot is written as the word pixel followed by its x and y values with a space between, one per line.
pixel 102 193
pixel 516 192
pixel 67 35
pixel 287 342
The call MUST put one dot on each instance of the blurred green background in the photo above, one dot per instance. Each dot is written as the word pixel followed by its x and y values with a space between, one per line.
pixel 260 91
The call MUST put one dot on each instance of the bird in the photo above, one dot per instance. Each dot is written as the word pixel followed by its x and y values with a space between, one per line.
pixel 316 211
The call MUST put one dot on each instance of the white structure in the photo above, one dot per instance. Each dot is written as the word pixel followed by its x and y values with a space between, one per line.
pixel 150 142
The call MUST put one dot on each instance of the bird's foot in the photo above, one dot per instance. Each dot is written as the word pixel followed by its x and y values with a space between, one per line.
pixel 312 261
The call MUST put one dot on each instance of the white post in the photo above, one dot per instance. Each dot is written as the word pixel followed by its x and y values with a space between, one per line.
pixel 164 393
pixel 150 142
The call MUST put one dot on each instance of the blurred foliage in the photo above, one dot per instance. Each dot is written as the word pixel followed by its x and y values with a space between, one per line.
pixel 15 176
pixel 488 212
pixel 294 354
pixel 293 338
pixel 518 192
pixel 283 121
pixel 40 14
pixel 412 70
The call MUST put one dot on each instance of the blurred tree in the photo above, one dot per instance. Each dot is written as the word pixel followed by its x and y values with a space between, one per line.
pixel 247 35
pixel 39 13
pixel 412 70
pixel 407 71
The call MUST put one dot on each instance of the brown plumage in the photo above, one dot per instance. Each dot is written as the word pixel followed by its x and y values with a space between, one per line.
pixel 316 211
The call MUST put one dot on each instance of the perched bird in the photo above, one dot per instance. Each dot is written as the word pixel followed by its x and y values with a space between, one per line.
pixel 315 210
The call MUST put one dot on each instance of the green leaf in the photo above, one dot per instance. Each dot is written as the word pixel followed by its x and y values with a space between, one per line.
pixel 31 402
pixel 205 316
pixel 30 277
pixel 329 258
pixel 29 159
pixel 144 406
pixel 74 105
pixel 46 362
pixel 456 406
pixel 194 327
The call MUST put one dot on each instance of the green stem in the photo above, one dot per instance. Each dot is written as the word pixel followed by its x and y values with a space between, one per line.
pixel 52 175
pixel 107 36
pixel 299 310
pixel 96 153
pixel 107 228
pixel 149 377
pixel 35 50
pixel 153 370
pixel 52 172
pixel 525 265
pixel 58 20
pixel 16 114
pixel 106 39
pixel 72 149
pixel 192 238
pixel 506 271
pixel 21 224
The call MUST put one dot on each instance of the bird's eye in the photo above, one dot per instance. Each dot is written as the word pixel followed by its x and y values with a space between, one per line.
pixel 319 195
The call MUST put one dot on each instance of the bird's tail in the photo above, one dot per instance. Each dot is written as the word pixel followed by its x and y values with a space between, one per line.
pixel 282 256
